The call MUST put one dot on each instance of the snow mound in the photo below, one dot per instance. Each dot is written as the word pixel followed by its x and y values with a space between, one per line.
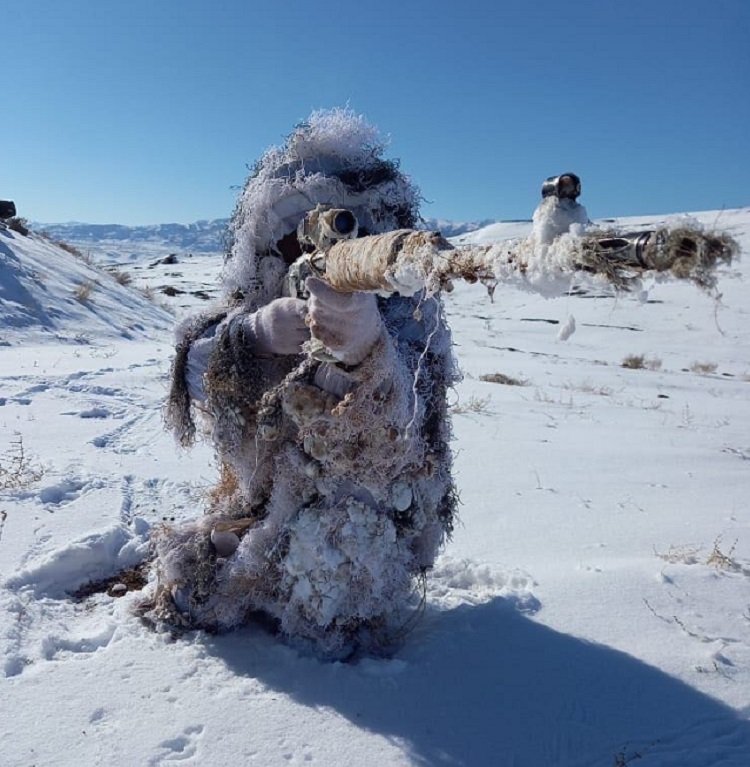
pixel 50 294
pixel 454 582
pixel 92 558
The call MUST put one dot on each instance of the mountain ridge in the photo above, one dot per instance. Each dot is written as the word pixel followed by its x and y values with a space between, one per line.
pixel 203 236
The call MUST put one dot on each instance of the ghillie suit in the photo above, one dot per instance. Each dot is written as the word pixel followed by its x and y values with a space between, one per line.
pixel 336 489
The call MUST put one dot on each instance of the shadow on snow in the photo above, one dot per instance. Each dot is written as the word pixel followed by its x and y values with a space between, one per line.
pixel 484 685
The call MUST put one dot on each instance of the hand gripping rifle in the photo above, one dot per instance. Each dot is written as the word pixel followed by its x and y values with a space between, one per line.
pixel 406 261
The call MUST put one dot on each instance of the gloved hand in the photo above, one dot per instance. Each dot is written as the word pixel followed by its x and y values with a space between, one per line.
pixel 347 323
pixel 278 327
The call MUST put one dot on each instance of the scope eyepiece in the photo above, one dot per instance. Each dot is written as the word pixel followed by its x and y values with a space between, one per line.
pixel 566 186
pixel 323 226
pixel 343 222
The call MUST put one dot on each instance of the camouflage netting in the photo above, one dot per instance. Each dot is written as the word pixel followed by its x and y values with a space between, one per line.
pixel 336 485
pixel 339 502
pixel 335 158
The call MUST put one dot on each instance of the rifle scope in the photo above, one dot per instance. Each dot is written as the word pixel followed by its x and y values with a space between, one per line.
pixel 566 186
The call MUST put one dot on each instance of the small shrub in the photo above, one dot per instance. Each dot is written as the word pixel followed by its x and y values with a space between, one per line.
pixel 17 470
pixel 501 378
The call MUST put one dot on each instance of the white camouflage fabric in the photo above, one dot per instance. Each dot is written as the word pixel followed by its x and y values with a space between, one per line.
pixel 336 490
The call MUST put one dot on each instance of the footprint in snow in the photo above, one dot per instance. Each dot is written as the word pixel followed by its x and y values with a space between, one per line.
pixel 128 436
pixel 98 391
pixel 93 412
pixel 180 748
pixel 63 647
pixel 64 492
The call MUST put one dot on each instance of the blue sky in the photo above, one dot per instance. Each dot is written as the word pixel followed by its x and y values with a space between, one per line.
pixel 143 112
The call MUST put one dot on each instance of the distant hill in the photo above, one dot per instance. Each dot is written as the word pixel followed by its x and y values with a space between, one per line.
pixel 455 228
pixel 198 237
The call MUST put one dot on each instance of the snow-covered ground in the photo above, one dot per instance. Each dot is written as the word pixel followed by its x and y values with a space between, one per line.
pixel 593 607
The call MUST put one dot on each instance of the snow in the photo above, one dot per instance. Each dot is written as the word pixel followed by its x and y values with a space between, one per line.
pixel 593 607
pixel 48 293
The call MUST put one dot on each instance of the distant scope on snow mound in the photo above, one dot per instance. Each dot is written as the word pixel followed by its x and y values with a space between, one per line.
pixel 7 209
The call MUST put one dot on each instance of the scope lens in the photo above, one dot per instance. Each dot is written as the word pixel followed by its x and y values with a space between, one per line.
pixel 344 222
pixel 570 186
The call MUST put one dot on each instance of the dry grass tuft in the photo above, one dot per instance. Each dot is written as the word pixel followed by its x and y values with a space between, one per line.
pixel 17 224
pixel 501 378
pixel 82 293
pixel 587 387
pixel 723 561
pixel 120 277
pixel 685 554
pixel 479 405
pixel 559 399
pixel 68 248
pixel 704 368
pixel 224 489
pixel 641 362
pixel 691 555
pixel 634 362
pixel 148 293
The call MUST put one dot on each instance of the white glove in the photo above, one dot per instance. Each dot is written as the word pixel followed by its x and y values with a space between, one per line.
pixel 348 324
pixel 278 327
